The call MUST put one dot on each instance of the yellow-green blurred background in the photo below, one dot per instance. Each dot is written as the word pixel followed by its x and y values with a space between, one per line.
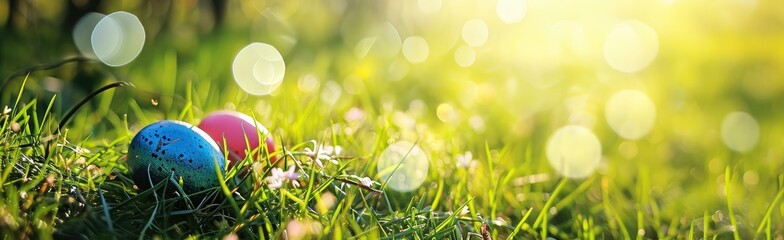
pixel 541 68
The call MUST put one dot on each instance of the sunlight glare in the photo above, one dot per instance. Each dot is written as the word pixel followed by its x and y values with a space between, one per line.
pixel 475 32
pixel 740 131
pixel 511 11
pixel 258 68
pixel 388 43
pixel 631 46
pixel 429 6
pixel 446 113
pixel 331 93
pixel 405 165
pixel 465 56
pixel 118 38
pixel 574 151
pixel 82 33
pixel 630 113
pixel 415 49
pixel 308 84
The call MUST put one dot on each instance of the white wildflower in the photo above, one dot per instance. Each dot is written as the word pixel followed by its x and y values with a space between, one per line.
pixel 274 182
pixel 81 150
pixel 323 153
pixel 464 211
pixel 330 150
pixel 366 181
pixel 315 156
pixel 278 177
pixel 291 174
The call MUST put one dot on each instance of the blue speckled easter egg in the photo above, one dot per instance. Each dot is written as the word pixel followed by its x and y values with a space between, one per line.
pixel 173 146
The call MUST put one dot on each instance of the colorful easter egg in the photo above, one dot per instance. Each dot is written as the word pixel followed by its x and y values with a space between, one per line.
pixel 173 147
pixel 235 128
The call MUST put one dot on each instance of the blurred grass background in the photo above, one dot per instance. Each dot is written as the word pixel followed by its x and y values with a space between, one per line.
pixel 528 79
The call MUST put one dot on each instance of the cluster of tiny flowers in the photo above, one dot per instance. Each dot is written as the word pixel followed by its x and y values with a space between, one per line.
pixel 323 154
pixel 278 177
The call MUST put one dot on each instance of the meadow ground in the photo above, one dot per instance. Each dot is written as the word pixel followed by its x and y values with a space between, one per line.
pixel 416 119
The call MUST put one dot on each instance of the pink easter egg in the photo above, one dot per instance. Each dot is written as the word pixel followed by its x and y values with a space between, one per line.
pixel 234 127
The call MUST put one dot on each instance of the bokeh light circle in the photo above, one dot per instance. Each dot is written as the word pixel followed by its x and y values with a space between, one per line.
pixel 429 6
pixel 415 49
pixel 387 42
pixel 511 11
pixel 404 164
pixel 631 46
pixel 740 131
pixel 465 56
pixel 82 33
pixel 258 68
pixel 475 32
pixel 117 38
pixel 630 113
pixel 264 72
pixel 574 151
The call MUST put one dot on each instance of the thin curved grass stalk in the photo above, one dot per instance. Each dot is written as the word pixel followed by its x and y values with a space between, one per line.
pixel 79 105
pixel 106 211
pixel 75 108
pixel 86 99
pixel 154 211
pixel 25 71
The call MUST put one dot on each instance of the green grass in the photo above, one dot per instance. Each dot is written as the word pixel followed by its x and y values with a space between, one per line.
pixel 57 185
pixel 62 152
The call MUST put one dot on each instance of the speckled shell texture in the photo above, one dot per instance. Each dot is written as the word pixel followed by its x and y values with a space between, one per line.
pixel 174 146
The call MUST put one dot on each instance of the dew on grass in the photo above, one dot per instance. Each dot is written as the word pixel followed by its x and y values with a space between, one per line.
pixel 465 56
pixel 117 38
pixel 429 6
pixel 510 11
pixel 630 113
pixel 82 33
pixel 475 32
pixel 258 68
pixel 739 131
pixel 415 49
pixel 405 165
pixel 574 151
pixel 631 46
